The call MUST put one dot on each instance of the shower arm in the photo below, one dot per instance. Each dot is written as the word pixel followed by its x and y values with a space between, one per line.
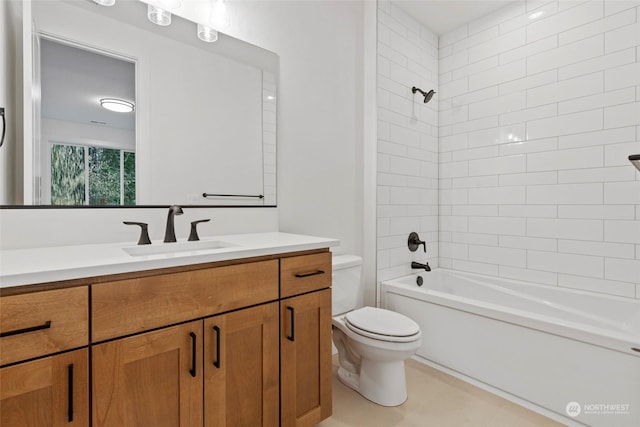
pixel 417 89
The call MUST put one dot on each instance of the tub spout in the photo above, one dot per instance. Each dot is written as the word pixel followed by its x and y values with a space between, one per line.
pixel 418 265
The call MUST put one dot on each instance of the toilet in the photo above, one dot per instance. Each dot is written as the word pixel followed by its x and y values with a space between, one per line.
pixel 372 343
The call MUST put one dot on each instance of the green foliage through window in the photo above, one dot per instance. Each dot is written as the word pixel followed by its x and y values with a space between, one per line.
pixel 129 178
pixel 109 174
pixel 67 175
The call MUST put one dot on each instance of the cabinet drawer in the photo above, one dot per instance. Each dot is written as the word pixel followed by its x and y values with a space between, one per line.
pixel 40 323
pixel 304 273
pixel 135 305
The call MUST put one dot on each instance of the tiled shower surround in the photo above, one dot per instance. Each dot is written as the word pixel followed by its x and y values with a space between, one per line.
pixel 539 107
pixel 407 141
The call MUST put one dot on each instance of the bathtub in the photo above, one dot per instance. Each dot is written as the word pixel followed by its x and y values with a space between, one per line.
pixel 572 355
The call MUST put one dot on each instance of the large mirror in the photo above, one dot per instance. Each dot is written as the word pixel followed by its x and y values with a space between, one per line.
pixel 200 127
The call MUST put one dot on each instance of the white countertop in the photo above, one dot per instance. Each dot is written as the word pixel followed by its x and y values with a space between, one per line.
pixel 39 265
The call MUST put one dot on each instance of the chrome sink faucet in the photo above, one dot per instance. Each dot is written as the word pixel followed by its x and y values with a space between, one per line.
pixel 170 232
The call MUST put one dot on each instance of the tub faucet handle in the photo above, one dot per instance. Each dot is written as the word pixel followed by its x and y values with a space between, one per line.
pixel 414 242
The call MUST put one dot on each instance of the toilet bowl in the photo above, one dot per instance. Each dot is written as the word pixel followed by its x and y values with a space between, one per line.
pixel 372 343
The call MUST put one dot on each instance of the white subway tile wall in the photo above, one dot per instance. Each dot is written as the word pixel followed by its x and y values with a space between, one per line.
pixel 408 137
pixel 539 109
pixel 269 94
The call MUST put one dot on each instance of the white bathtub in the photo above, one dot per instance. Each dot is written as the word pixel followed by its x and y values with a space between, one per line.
pixel 548 348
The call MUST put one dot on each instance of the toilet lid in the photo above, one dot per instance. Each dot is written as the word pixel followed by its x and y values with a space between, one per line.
pixel 381 324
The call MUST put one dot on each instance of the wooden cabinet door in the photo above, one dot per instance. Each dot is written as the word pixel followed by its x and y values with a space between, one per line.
pixel 241 368
pixel 53 391
pixel 151 379
pixel 305 346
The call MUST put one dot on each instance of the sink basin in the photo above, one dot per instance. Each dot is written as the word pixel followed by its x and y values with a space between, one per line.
pixel 175 248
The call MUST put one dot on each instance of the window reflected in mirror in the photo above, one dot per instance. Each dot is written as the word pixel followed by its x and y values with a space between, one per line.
pixel 82 175
pixel 87 145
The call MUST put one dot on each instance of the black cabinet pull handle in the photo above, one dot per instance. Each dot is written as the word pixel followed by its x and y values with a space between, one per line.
pixel 70 393
pixel 46 325
pixel 192 371
pixel 216 362
pixel 4 126
pixel 292 337
pixel 315 273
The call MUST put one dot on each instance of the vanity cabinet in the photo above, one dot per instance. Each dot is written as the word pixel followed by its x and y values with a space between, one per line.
pixel 51 391
pixel 135 305
pixel 235 343
pixel 151 379
pixel 52 328
pixel 305 339
pixel 241 360
pixel 41 323
pixel 161 378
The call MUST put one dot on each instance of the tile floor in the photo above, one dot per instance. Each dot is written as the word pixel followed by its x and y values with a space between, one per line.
pixel 435 399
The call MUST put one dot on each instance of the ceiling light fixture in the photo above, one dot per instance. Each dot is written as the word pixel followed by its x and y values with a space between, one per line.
pixel 105 2
pixel 117 105
pixel 170 4
pixel 207 34
pixel 218 16
pixel 158 16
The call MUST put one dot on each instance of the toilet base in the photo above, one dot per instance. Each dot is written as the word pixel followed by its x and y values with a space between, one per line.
pixel 349 379
pixel 372 375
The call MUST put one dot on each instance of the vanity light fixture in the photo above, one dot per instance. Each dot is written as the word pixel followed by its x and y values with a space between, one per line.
pixel 218 16
pixel 207 34
pixel 170 4
pixel 117 105
pixel 105 2
pixel 158 16
pixel 635 160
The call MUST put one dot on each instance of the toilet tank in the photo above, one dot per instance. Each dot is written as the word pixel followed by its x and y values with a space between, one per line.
pixel 347 287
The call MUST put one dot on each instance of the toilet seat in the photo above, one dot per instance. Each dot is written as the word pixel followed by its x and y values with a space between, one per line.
pixel 381 324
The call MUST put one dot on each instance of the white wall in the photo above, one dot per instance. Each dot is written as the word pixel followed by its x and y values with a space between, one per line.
pixel 7 100
pixel 28 228
pixel 319 111
pixel 319 134
pixel 539 109
pixel 407 141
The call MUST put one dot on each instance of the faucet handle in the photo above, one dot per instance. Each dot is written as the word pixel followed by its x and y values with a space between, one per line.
pixel 144 232
pixel 193 235
pixel 414 242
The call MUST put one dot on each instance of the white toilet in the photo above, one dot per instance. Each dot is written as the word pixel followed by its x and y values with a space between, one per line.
pixel 372 343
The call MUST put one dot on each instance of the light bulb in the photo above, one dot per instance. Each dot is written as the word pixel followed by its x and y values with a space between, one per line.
pixel 105 2
pixel 207 34
pixel 158 16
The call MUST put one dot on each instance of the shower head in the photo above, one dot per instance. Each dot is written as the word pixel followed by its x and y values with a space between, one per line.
pixel 635 160
pixel 427 95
